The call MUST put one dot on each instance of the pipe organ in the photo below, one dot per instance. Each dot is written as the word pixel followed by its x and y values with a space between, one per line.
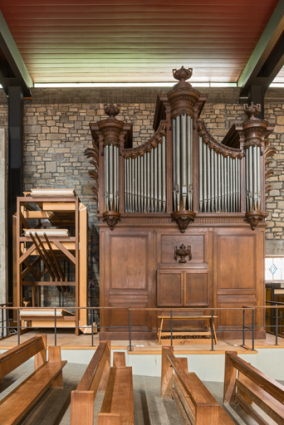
pixel 180 187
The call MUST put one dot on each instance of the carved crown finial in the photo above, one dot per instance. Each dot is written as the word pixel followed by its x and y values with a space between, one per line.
pixel 252 110
pixel 182 74
pixel 112 110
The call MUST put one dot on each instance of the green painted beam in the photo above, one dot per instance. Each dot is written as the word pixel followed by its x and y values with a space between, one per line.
pixel 264 47
pixel 12 53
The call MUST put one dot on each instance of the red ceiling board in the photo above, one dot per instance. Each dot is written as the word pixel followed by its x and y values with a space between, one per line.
pixel 135 41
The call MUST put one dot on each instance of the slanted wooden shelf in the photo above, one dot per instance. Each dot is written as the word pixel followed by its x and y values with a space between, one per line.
pixel 199 333
pixel 196 404
pixel 16 405
pixel 94 379
pixel 56 237
pixel 252 386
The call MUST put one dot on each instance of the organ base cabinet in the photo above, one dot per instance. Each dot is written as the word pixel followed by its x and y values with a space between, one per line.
pixel 139 269
pixel 182 215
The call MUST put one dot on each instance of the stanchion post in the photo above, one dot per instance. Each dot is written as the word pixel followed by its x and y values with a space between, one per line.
pixel 171 328
pixel 18 326
pixel 244 325
pixel 212 327
pixel 92 320
pixel 55 335
pixel 253 330
pixel 130 348
pixel 276 327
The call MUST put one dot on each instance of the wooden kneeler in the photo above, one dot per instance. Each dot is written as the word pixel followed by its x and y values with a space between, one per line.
pixel 94 379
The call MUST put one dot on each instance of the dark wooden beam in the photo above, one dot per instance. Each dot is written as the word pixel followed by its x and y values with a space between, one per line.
pixel 13 71
pixel 267 58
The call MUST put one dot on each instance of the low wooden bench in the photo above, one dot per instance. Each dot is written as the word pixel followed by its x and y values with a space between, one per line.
pixel 118 404
pixel 199 333
pixel 196 404
pixel 94 379
pixel 252 386
pixel 16 405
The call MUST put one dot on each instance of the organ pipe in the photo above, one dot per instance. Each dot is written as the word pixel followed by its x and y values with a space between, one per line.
pixel 182 162
pixel 219 181
pixel 145 182
pixel 111 178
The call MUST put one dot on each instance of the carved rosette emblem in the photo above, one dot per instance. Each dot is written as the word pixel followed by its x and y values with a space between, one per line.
pixel 183 218
pixel 111 218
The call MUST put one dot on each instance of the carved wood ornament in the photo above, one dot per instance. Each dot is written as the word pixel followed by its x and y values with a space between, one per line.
pixel 144 261
pixel 183 252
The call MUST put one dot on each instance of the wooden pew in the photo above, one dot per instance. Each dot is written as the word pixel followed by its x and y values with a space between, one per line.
pixel 252 386
pixel 118 404
pixel 94 379
pixel 16 405
pixel 196 404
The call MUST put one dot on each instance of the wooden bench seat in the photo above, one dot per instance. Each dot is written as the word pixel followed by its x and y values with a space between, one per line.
pixel 17 404
pixel 252 386
pixel 118 404
pixel 195 403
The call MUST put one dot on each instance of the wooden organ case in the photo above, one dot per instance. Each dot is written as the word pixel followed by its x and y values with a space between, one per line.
pixel 182 216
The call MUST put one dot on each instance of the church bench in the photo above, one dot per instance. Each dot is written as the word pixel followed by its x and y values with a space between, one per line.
pixel 94 379
pixel 118 403
pixel 17 404
pixel 252 386
pixel 195 403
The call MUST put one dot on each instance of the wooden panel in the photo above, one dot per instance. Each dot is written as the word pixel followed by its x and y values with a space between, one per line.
pixel 196 289
pixel 169 289
pixel 128 261
pixel 236 260
pixel 170 242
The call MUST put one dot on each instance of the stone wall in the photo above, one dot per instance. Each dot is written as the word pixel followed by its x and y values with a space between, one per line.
pixel 56 128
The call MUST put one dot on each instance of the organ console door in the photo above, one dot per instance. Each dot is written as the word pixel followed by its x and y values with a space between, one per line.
pixel 182 216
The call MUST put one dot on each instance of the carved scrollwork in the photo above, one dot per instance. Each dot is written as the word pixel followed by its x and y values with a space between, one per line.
pixel 269 152
pixel 111 218
pixel 254 217
pixel 183 218
pixel 218 147
pixel 93 153
pixel 152 143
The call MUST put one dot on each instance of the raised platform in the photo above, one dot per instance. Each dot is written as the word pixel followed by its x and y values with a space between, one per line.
pixel 67 341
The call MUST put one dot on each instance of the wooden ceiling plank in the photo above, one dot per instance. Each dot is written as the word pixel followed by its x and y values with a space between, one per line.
pixel 223 3
pixel 232 8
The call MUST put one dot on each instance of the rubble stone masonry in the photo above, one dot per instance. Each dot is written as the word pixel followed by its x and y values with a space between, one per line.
pixel 56 133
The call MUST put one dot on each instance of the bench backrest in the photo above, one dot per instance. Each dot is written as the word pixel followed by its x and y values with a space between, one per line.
pixel 202 400
pixel 18 355
pixel 234 363
pixel 94 379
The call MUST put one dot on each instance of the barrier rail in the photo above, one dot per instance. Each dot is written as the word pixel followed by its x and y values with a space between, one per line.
pixel 5 308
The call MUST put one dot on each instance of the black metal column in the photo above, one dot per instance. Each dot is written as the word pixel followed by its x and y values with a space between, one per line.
pixel 256 95
pixel 15 164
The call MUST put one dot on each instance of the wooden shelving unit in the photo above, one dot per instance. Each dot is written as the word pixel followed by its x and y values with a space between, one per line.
pixel 40 252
